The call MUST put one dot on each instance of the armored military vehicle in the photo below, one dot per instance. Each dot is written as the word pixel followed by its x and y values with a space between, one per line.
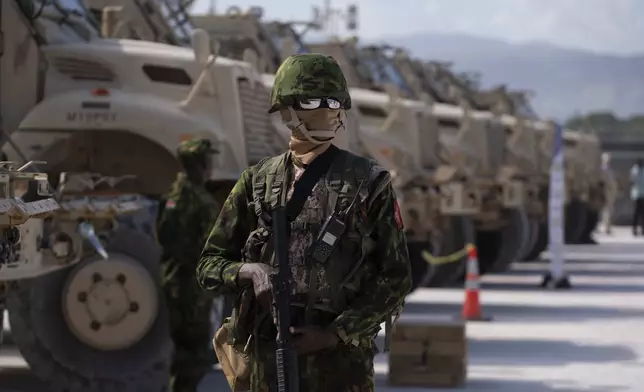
pixel 502 224
pixel 108 118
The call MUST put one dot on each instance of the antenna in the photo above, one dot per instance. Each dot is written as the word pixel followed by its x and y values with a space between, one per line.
pixel 213 7
pixel 329 18
pixel 352 17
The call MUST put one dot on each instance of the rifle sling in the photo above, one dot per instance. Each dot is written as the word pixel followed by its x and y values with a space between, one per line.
pixel 301 191
pixel 304 185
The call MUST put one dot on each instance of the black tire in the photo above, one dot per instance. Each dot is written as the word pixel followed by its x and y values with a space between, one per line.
pixel 488 246
pixel 592 220
pixel 532 239
pixel 57 357
pixel 420 268
pixel 459 233
pixel 514 239
pixel 576 214
pixel 2 335
pixel 540 244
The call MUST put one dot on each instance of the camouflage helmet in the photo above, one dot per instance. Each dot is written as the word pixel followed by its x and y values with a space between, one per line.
pixel 309 75
pixel 195 149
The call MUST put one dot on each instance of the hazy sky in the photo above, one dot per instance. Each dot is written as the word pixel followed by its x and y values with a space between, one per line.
pixel 613 26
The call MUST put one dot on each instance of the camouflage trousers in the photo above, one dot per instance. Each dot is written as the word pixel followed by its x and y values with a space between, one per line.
pixel 342 369
pixel 191 333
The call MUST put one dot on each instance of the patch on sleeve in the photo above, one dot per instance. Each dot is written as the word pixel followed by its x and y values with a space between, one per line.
pixel 397 216
pixel 170 204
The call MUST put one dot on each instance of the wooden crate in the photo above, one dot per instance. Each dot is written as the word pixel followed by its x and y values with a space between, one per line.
pixel 428 351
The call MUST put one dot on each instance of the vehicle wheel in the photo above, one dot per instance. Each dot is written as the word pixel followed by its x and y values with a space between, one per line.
pixel 101 326
pixel 592 219
pixel 420 268
pixel 532 239
pixel 514 239
pixel 2 322
pixel 576 213
pixel 540 245
pixel 456 236
pixel 488 246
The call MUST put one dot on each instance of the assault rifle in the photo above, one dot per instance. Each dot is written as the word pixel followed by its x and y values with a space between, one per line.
pixel 286 358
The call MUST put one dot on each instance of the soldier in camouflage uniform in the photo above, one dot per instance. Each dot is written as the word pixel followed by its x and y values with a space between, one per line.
pixel 185 218
pixel 337 306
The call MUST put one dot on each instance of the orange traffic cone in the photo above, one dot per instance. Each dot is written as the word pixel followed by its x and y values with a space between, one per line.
pixel 472 305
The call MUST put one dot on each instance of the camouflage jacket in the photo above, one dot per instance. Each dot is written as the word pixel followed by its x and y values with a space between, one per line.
pixel 184 220
pixel 368 274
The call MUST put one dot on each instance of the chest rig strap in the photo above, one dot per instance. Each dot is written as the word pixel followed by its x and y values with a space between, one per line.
pixel 259 189
pixel 275 180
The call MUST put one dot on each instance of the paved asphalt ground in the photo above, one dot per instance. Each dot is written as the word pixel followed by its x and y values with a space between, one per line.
pixel 587 339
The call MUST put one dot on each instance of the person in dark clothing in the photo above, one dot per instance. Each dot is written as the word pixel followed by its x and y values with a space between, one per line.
pixel 637 195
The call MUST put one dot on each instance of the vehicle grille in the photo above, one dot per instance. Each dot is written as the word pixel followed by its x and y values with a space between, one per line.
pixel 262 138
pixel 80 69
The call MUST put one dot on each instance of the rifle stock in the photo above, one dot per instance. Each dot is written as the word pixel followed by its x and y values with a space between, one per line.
pixel 286 358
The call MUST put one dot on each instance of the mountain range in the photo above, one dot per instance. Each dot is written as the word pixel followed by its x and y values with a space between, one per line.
pixel 566 82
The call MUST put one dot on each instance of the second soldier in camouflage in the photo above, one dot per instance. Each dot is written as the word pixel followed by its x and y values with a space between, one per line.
pixel 184 223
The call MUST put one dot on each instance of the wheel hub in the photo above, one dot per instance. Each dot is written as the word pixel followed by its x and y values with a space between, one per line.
pixel 107 302
pixel 110 304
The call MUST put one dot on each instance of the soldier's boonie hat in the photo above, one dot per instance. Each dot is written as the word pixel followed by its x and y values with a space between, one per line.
pixel 196 148
pixel 307 76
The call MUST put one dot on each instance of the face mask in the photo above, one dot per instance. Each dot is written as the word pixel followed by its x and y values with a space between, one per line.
pixel 317 126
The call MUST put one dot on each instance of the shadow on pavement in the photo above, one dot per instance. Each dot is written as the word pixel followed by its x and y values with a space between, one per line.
pixel 624 268
pixel 610 247
pixel 607 260
pixel 605 271
pixel 538 352
pixel 20 380
pixel 616 288
pixel 526 312
pixel 215 381
pixel 491 385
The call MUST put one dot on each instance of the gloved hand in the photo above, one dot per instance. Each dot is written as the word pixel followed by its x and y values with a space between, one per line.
pixel 310 339
pixel 259 275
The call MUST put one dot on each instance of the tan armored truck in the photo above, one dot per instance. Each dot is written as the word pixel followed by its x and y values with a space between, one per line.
pixel 583 160
pixel 580 222
pixel 583 198
pixel 521 163
pixel 110 116
pixel 502 152
pixel 381 126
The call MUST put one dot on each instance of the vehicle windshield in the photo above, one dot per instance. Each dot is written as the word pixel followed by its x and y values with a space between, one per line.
pixel 77 8
pixel 440 86
pixel 394 76
pixel 526 110
pixel 82 22
pixel 178 19
pixel 384 71
pixel 277 39
pixel 375 71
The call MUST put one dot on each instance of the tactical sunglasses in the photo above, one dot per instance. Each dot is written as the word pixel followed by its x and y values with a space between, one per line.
pixel 317 103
